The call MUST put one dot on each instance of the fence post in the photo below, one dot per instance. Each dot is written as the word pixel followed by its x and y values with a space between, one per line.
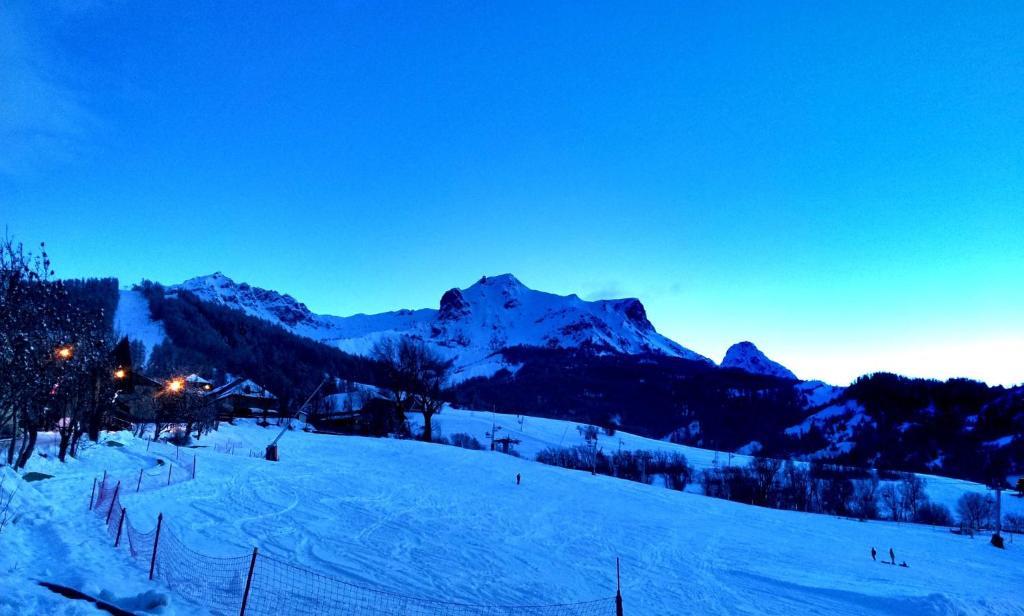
pixel 139 486
pixel 170 469
pixel 93 495
pixel 248 581
pixel 120 524
pixel 193 467
pixel 618 589
pixel 156 544
pixel 112 501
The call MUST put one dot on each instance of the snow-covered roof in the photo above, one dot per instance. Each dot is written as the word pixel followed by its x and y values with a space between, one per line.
pixel 243 387
pixel 196 379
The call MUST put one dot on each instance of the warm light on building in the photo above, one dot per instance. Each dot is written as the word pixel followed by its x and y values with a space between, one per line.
pixel 119 373
pixel 64 352
pixel 176 385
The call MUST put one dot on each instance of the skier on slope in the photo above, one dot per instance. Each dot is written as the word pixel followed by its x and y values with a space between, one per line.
pixel 874 553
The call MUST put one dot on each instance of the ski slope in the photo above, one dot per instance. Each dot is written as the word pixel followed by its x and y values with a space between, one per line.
pixel 447 523
pixel 537 433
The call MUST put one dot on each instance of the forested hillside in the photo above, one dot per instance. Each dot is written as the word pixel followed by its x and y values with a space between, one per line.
pixel 212 339
pixel 958 427
pixel 653 395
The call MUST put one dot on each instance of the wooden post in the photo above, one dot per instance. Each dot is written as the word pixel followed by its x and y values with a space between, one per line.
pixel 156 544
pixel 120 525
pixel 139 486
pixel 618 590
pixel 170 469
pixel 999 511
pixel 112 501
pixel 93 495
pixel 248 581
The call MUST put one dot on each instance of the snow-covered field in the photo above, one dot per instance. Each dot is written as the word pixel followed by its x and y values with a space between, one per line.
pixel 447 523
pixel 536 434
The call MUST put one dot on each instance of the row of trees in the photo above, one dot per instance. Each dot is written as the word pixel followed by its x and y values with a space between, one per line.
pixel 642 466
pixel 834 490
pixel 56 366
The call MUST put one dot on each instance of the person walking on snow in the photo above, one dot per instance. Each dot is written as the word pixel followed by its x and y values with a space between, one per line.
pixel 892 556
pixel 874 552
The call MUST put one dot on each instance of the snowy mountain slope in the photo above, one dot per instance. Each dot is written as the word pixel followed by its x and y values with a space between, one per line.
pixel 816 394
pixel 470 325
pixel 746 356
pixel 537 433
pixel 839 422
pixel 447 523
pixel 132 319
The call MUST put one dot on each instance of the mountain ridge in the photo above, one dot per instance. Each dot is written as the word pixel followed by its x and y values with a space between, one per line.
pixel 470 326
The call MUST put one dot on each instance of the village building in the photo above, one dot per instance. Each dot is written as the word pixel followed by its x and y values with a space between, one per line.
pixel 244 398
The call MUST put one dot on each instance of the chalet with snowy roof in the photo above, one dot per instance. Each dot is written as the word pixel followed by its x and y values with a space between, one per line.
pixel 197 383
pixel 244 398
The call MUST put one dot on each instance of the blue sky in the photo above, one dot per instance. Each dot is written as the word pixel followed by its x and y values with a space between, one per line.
pixel 842 184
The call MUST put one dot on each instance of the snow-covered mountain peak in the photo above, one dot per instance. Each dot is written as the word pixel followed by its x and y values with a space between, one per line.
pixel 745 356
pixel 501 281
pixel 262 303
pixel 470 325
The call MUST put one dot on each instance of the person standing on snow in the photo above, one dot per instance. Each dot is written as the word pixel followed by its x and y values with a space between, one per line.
pixel 874 552
pixel 519 478
pixel 892 556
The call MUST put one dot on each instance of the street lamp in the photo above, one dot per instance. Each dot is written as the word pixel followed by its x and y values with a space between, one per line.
pixel 119 373
pixel 65 352
pixel 175 385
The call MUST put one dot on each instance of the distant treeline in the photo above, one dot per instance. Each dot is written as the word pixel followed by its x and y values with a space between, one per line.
pixel 916 425
pixel 641 466
pixel 650 395
pixel 915 422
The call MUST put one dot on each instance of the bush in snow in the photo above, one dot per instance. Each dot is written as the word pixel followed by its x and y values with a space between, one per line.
pixel 588 432
pixel 466 441
pixel 934 514
pixel 1013 523
pixel 180 438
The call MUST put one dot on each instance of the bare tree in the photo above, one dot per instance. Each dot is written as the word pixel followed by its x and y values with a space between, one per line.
pixel 892 502
pixel 764 472
pixel 912 493
pixel 975 510
pixel 415 377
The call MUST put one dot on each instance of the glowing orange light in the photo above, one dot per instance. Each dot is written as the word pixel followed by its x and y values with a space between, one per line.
pixel 64 352
pixel 176 385
pixel 119 373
